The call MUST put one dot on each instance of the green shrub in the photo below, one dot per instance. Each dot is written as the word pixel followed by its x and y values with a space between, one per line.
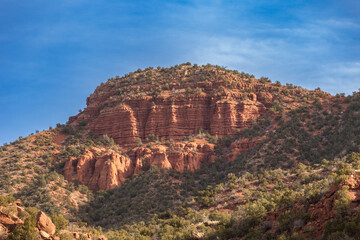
pixel 152 138
pixel 223 217
pixel 66 236
pixel 246 218
pixel 292 220
pixel 107 141
pixel 342 202
pixel 26 232
pixel 59 221
pixel 340 228
pixel 5 200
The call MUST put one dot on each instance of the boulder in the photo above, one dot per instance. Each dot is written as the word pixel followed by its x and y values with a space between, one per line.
pixel 45 235
pixel 45 224
pixel 3 232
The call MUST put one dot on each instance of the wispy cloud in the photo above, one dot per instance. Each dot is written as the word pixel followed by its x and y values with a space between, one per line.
pixel 305 51
pixel 339 23
pixel 340 77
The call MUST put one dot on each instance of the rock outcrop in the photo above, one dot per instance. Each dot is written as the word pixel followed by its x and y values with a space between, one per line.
pixel 9 220
pixel 179 156
pixel 101 168
pixel 172 118
pixel 45 225
pixel 176 105
pixel 3 232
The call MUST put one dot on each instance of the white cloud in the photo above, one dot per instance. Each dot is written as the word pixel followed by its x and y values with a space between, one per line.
pixel 340 77
pixel 338 23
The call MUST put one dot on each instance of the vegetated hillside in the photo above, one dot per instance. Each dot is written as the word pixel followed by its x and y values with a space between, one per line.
pixel 28 170
pixel 197 152
pixel 235 199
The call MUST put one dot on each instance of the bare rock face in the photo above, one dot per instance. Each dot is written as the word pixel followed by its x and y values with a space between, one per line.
pixel 9 221
pixel 180 156
pixel 3 232
pixel 45 224
pixel 44 235
pixel 172 118
pixel 168 119
pixel 101 168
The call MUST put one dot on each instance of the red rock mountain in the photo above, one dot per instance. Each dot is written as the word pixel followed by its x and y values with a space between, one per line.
pixel 168 104
pixel 175 103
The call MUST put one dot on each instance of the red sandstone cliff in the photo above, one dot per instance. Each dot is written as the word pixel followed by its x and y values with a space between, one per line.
pixel 101 168
pixel 176 105
pixel 172 118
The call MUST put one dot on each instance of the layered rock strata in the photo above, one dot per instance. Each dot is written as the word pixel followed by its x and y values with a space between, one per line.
pixel 101 168
pixel 172 117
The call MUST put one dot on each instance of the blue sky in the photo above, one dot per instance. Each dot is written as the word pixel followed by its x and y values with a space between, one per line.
pixel 53 54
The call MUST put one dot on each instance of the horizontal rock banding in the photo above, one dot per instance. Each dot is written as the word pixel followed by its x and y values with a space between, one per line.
pixel 172 118
pixel 101 168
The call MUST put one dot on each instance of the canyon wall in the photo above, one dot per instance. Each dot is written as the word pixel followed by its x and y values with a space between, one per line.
pixel 172 117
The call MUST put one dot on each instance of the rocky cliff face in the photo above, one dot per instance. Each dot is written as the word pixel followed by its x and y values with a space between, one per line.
pixel 175 103
pixel 101 168
pixel 173 118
